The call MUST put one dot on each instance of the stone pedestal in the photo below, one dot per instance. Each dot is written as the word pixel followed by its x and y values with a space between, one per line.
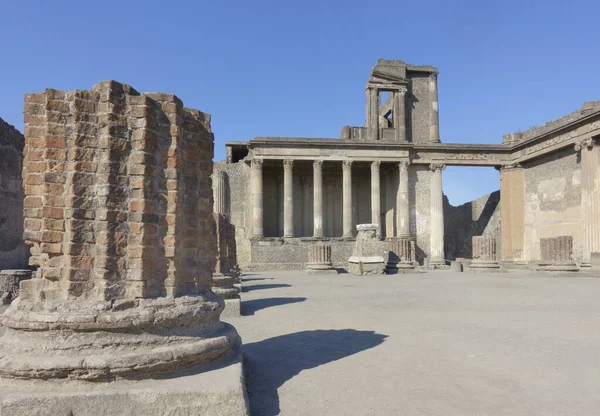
pixel 369 252
pixel 456 266
pixel 9 284
pixel 400 255
pixel 484 253
pixel 319 260
pixel 224 286
pixel 119 223
pixel 556 254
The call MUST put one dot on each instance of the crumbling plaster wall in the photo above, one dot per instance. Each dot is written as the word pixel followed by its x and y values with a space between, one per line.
pixel 13 252
pixel 552 201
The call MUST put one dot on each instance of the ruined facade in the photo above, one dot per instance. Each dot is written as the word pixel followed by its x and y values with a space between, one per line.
pixel 290 192
pixel 13 252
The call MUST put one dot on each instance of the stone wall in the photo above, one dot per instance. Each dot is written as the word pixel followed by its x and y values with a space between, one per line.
pixel 480 217
pixel 552 201
pixel 13 252
pixel 418 107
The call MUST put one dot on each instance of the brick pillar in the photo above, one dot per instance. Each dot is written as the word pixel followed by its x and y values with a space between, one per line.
pixel 512 212
pixel 556 254
pixel 484 253
pixel 119 220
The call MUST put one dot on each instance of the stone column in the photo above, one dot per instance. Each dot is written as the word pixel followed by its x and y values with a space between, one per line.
pixel 402 202
pixel 288 199
pixel 318 199
pixel 373 113
pixel 376 195
pixel 512 212
pixel 400 254
pixel 220 193
pixel 434 123
pixel 257 198
pixel 484 253
pixel 399 113
pixel 437 217
pixel 347 199
pixel 319 260
pixel 590 198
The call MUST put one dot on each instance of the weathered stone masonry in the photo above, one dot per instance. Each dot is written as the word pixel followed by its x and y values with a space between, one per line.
pixel 118 214
pixel 13 252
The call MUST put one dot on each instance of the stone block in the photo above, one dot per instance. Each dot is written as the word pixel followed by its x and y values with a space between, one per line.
pixel 365 266
pixel 595 262
pixel 456 266
pixel 484 253
pixel 556 254
pixel 10 281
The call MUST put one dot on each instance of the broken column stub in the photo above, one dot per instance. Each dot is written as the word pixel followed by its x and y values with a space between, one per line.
pixel 369 253
pixel 484 253
pixel 556 254
pixel 118 214
pixel 400 254
pixel 319 260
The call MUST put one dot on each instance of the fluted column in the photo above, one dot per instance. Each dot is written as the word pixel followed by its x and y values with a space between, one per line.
pixel 402 205
pixel 288 198
pixel 590 198
pixel 373 113
pixel 257 198
pixel 347 198
pixel 376 195
pixel 434 123
pixel 318 199
pixel 437 216
pixel 399 113
pixel 220 194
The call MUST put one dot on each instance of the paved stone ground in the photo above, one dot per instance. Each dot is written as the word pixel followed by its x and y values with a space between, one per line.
pixel 438 343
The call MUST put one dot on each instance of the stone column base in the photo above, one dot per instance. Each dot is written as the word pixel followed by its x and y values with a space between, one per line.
pixel 402 266
pixel 364 266
pixel 233 308
pixel 568 267
pixel 218 388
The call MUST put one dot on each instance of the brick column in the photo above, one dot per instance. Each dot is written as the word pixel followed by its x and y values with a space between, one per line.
pixel 399 114
pixel 318 199
pixel 288 199
pixel 256 183
pixel 402 202
pixel 437 216
pixel 376 195
pixel 590 198
pixel 512 212
pixel 347 199
pixel 434 122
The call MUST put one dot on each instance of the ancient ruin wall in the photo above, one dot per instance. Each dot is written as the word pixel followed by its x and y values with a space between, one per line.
pixel 418 108
pixel 552 201
pixel 13 252
pixel 118 193
pixel 480 217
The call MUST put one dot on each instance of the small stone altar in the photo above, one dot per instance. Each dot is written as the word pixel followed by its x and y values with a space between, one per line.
pixel 370 253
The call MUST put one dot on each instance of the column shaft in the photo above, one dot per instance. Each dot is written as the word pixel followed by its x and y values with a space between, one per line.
pixel 347 198
pixel 220 194
pixel 257 198
pixel 399 113
pixel 437 216
pixel 318 199
pixel 434 124
pixel 373 121
pixel 288 198
pixel 402 203
pixel 590 199
pixel 376 195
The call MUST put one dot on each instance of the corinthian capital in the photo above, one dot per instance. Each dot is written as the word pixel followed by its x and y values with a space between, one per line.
pixel 256 163
pixel 318 164
pixel 375 165
pixel 288 163
pixel 347 164
pixel 437 166
pixel 404 164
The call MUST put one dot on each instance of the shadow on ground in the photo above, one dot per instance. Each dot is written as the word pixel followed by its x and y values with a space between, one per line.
pixel 267 286
pixel 272 362
pixel 251 306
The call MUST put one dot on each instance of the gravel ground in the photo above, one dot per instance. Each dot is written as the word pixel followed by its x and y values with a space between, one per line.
pixel 437 343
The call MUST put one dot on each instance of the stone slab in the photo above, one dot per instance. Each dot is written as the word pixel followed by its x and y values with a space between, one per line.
pixel 320 271
pixel 233 307
pixel 217 390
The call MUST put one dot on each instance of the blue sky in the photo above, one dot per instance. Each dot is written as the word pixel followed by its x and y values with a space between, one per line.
pixel 299 68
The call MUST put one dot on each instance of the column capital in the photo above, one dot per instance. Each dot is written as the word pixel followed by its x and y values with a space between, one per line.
pixel 433 76
pixel 256 163
pixel 402 90
pixel 585 144
pixel 288 163
pixel 347 164
pixel 404 164
pixel 318 164
pixel 375 165
pixel 437 166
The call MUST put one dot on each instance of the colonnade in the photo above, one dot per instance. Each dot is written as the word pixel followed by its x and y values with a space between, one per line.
pixel 402 201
